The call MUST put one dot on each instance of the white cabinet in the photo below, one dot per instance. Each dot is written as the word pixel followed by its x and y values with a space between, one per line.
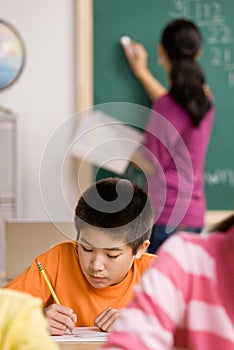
pixel 8 202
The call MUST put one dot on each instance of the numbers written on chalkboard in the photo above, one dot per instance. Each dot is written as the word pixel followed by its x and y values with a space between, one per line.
pixel 219 33
pixel 221 57
pixel 210 16
pixel 199 10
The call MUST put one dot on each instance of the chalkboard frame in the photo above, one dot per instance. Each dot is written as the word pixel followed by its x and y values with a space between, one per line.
pixel 84 75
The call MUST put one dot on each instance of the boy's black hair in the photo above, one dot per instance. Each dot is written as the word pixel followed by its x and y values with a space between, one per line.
pixel 118 207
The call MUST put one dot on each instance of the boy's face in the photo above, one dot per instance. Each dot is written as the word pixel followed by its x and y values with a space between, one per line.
pixel 103 260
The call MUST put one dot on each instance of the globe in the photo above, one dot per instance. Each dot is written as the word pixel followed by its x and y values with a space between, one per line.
pixel 12 55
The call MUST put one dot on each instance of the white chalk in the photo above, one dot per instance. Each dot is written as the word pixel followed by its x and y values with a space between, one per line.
pixel 126 41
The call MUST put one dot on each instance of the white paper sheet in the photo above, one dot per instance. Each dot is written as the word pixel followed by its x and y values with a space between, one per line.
pixel 105 141
pixel 81 334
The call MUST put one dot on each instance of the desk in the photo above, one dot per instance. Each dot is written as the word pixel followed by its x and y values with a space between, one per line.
pixel 79 345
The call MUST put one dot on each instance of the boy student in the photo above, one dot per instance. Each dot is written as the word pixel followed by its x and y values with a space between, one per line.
pixel 94 276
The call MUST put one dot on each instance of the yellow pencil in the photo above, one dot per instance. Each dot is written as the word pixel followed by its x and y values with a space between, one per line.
pixel 48 282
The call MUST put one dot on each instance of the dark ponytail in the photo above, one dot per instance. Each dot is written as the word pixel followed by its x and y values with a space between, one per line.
pixel 182 41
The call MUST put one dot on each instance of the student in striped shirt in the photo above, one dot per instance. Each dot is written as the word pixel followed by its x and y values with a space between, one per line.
pixel 186 298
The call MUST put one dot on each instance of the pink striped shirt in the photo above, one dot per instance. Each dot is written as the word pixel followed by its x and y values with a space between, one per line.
pixel 185 299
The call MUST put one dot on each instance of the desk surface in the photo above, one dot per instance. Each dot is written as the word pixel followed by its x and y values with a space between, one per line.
pixel 79 345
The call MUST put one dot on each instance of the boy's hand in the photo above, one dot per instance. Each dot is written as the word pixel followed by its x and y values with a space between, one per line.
pixel 60 318
pixel 106 319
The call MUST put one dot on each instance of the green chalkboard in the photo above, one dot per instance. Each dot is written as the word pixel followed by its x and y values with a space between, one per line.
pixel 143 21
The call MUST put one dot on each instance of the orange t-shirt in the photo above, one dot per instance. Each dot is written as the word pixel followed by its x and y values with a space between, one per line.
pixel 61 264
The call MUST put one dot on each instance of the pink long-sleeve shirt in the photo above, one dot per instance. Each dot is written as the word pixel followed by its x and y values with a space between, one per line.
pixel 178 151
pixel 185 299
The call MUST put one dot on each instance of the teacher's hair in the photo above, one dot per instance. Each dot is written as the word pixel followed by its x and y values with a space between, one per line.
pixel 182 40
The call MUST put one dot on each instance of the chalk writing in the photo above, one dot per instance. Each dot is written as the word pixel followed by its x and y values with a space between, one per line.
pixel 209 15
pixel 220 177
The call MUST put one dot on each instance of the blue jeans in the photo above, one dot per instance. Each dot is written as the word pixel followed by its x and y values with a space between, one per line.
pixel 159 235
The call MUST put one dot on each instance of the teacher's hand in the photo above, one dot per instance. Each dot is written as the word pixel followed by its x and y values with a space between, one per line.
pixel 137 58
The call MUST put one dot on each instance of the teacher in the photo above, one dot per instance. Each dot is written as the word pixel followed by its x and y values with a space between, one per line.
pixel 181 119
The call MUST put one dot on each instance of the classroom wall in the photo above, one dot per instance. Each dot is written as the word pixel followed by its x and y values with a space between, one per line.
pixel 42 98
